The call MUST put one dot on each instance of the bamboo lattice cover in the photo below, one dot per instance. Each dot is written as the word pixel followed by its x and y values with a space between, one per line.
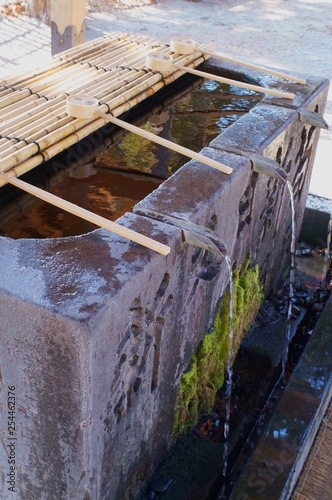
pixel 34 125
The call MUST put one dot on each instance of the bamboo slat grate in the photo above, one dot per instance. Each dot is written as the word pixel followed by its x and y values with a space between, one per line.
pixel 34 125
pixel 315 481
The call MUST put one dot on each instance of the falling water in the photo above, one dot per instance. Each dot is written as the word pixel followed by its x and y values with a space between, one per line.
pixel 229 379
pixel 291 279
pixel 328 244
pixel 328 241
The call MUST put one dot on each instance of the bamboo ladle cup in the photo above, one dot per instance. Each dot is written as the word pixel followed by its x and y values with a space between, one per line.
pixel 86 107
pixel 164 63
pixel 87 215
pixel 184 46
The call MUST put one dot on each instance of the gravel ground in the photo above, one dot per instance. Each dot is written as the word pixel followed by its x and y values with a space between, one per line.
pixel 293 34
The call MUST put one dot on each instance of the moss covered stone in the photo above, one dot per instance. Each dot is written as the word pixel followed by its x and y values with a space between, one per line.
pixel 199 385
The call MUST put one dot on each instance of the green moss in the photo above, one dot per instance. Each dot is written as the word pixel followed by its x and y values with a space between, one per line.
pixel 199 385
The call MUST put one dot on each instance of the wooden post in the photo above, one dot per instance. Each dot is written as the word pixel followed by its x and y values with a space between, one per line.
pixel 67 24
pixel 41 9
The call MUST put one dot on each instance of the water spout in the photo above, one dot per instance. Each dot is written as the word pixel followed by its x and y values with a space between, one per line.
pixel 269 167
pixel 201 241
pixel 194 234
pixel 261 164
pixel 312 118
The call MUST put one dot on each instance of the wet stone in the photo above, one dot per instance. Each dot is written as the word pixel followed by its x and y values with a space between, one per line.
pixel 271 338
pixel 130 275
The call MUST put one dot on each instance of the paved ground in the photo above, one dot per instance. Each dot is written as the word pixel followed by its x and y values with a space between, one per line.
pixel 315 481
pixel 291 34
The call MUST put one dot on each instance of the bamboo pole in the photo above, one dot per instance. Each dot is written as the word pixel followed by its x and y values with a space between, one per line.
pixel 92 45
pixel 12 148
pixel 50 84
pixel 17 105
pixel 15 110
pixel 23 101
pixel 4 92
pixel 136 85
pixel 57 61
pixel 88 216
pixel 32 102
pixel 104 55
pixel 31 162
pixel 35 134
pixel 108 86
pixel 30 123
pixel 255 67
pixel 31 77
pixel 52 143
pixel 110 61
pixel 24 77
pixel 19 112
pixel 59 76
pixel 249 86
pixel 124 46
pixel 15 96
pixel 116 101
pixel 164 63
pixel 46 108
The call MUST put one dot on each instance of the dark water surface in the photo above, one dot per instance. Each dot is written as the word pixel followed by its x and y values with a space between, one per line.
pixel 118 176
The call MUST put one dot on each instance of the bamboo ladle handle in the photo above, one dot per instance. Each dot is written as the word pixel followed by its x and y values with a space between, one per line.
pixel 87 108
pixel 249 86
pixel 168 144
pixel 163 63
pixel 184 45
pixel 87 215
pixel 279 74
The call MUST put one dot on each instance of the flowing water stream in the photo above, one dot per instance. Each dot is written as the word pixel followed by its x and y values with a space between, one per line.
pixel 229 376
pixel 328 239
pixel 229 383
pixel 291 280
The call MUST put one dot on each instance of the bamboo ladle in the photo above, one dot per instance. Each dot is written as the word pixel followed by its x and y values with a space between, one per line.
pixel 164 63
pixel 86 107
pixel 182 45
pixel 87 215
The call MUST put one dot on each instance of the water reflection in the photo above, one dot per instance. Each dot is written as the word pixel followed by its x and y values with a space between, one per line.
pixel 193 121
pixel 109 194
pixel 114 180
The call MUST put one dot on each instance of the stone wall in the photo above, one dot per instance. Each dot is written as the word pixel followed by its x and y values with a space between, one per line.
pixel 96 331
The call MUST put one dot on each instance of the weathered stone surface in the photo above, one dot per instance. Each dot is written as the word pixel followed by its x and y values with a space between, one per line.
pixel 95 331
pixel 46 358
